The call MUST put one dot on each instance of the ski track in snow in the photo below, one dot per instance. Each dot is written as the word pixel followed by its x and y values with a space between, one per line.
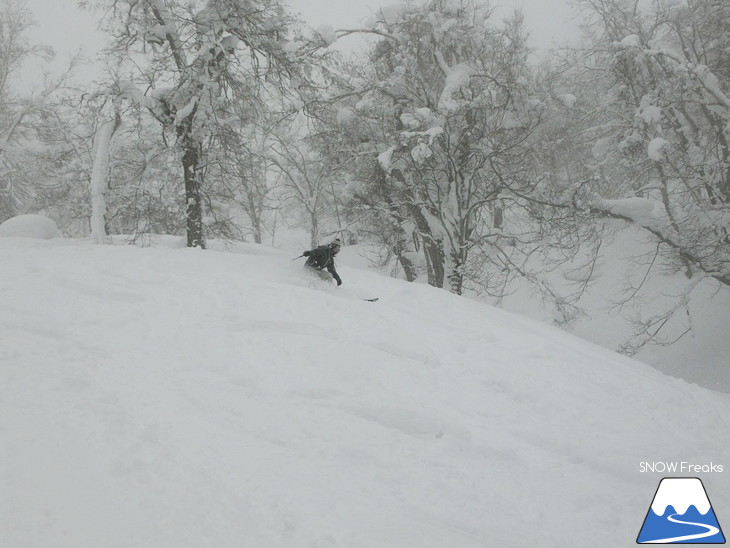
pixel 169 397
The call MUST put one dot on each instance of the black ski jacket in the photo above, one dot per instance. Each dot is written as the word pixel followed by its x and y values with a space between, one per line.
pixel 323 257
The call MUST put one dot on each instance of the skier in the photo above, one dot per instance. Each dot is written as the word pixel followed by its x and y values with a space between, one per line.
pixel 323 257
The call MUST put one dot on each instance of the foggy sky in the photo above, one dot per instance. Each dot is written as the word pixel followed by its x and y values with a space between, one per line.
pixel 65 27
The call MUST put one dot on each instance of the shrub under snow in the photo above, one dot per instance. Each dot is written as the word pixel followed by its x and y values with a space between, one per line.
pixel 30 226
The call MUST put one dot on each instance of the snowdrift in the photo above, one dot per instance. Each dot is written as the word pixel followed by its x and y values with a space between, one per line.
pixel 29 226
pixel 160 397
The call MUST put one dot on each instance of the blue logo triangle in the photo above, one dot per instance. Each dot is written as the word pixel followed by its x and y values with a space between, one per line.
pixel 680 513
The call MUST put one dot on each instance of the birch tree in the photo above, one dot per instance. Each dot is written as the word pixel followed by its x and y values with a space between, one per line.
pixel 662 160
pixel 19 108
pixel 100 175
pixel 448 112
pixel 184 57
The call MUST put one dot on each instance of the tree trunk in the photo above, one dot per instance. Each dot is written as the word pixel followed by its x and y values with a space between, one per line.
pixel 456 277
pixel 191 160
pixel 432 251
pixel 193 184
pixel 254 213
pixel 314 229
pixel 400 249
pixel 434 261
pixel 497 214
pixel 408 269
pixel 100 178
pixel 257 231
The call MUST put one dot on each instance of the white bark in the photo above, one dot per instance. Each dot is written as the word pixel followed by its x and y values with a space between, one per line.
pixel 99 180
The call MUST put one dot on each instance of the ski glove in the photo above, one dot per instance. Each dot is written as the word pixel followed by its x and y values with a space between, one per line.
pixel 305 254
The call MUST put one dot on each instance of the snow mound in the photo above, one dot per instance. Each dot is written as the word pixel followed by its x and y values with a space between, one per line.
pixel 29 226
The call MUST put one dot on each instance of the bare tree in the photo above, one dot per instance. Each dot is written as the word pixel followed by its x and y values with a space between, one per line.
pixel 20 110
pixel 305 177
pixel 195 54
pixel 662 160
pixel 100 174
pixel 447 111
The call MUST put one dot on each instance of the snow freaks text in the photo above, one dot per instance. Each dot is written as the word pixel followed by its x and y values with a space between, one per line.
pixel 680 467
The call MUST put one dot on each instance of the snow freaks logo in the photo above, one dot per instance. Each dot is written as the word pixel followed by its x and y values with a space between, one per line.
pixel 680 513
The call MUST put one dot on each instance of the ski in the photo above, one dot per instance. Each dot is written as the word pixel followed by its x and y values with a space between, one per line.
pixel 372 300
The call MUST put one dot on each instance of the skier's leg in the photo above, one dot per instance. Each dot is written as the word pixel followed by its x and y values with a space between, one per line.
pixel 324 275
pixel 317 273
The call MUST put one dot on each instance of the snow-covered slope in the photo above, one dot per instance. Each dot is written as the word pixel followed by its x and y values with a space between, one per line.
pixel 165 397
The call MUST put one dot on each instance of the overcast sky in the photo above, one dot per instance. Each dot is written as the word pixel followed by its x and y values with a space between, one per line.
pixel 547 20
pixel 67 28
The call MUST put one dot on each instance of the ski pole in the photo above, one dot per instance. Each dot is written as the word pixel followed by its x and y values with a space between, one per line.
pixel 295 258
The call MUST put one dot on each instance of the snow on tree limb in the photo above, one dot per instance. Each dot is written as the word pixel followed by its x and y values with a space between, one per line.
pixel 457 78
pixel 655 149
pixel 164 19
pixel 642 211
